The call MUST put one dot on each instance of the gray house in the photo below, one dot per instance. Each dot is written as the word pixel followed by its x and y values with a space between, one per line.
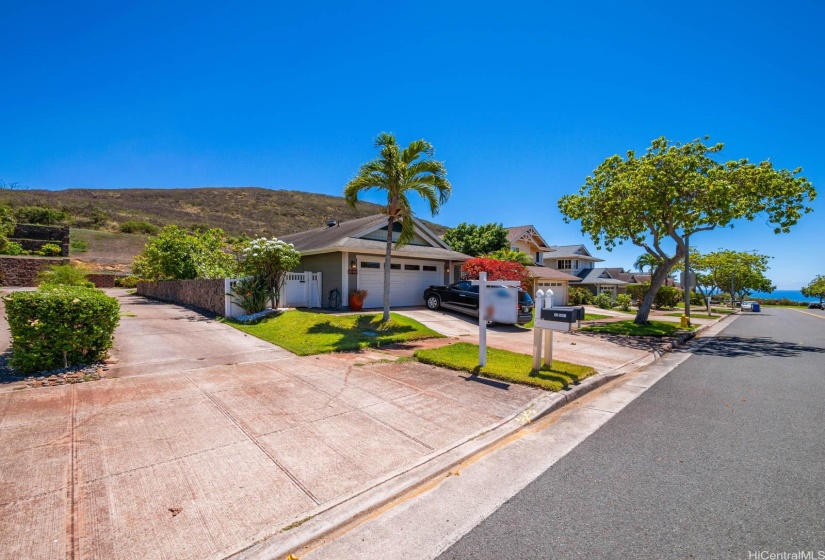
pixel 350 256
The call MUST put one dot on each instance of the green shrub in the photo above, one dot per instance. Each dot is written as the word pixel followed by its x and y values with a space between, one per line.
pixel 78 246
pixel 697 298
pixel 604 300
pixel 134 226
pixel 251 294
pixel 60 327
pixel 39 215
pixel 624 301
pixel 63 275
pixel 637 292
pixel 579 296
pixel 667 296
pixel 51 250
pixel 12 248
pixel 126 281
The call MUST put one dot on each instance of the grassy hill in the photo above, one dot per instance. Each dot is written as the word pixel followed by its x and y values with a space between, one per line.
pixel 96 214
pixel 252 211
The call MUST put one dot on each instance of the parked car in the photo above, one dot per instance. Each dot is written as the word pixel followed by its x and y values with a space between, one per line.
pixel 463 297
pixel 747 305
pixel 815 305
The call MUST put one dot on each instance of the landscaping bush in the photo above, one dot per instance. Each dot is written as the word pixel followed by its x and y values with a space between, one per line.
pixel 624 301
pixel 637 292
pixel 51 250
pixel 134 226
pixel 667 296
pixel 251 294
pixel 40 215
pixel 63 275
pixel 579 296
pixel 60 327
pixel 12 248
pixel 603 301
pixel 126 281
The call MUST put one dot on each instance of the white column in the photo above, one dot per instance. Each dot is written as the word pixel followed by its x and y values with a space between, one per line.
pixel 482 323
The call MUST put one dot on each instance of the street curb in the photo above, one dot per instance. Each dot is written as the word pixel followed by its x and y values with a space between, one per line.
pixel 312 526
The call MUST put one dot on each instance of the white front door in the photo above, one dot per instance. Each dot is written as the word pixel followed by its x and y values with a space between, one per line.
pixel 408 280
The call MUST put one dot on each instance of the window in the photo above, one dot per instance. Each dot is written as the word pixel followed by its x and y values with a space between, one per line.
pixel 564 264
pixel 412 267
pixel 464 285
pixel 395 266
pixel 539 258
pixel 428 268
pixel 365 264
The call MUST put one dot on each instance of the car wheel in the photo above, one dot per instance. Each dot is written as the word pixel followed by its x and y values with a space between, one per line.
pixel 433 302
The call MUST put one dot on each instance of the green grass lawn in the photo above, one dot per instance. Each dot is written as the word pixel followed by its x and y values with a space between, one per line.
pixel 694 315
pixel 305 333
pixel 505 366
pixel 629 328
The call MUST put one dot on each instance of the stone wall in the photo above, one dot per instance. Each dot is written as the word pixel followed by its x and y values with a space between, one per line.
pixel 32 237
pixel 22 271
pixel 104 280
pixel 208 295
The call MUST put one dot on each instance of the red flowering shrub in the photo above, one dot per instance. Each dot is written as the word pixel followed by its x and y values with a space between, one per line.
pixel 496 270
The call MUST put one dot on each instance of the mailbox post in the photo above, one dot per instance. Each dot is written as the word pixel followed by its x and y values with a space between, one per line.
pixel 549 319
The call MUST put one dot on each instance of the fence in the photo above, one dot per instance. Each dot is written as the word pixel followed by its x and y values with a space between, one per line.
pixel 300 289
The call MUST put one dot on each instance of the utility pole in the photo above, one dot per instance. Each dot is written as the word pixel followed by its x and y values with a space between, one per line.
pixel 686 285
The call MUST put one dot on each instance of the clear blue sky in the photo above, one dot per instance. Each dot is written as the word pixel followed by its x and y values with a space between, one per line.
pixel 522 101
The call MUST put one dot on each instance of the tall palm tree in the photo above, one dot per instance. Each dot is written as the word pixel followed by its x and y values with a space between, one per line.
pixel 400 172
pixel 646 260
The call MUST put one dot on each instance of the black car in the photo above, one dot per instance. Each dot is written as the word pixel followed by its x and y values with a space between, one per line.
pixel 463 297
pixel 815 305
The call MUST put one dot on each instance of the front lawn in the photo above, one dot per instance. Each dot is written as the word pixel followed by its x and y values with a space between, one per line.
pixel 505 366
pixel 305 333
pixel 629 328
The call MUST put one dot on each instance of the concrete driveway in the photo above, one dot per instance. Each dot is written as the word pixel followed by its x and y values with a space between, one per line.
pixel 574 347
pixel 203 440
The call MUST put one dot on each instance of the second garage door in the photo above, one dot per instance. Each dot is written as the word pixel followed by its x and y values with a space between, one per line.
pixel 559 290
pixel 408 280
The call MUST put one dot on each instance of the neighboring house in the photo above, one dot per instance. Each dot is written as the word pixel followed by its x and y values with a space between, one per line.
pixel 598 280
pixel 545 278
pixel 636 277
pixel 350 256
pixel 577 260
pixel 527 240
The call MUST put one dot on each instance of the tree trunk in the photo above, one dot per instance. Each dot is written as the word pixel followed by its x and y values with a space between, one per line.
pixel 388 269
pixel 656 281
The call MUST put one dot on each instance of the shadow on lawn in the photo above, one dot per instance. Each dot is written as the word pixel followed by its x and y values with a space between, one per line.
pixel 741 347
pixel 357 337
pixel 645 343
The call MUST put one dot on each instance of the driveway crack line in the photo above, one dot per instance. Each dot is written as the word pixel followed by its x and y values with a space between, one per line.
pixel 252 438
pixel 72 543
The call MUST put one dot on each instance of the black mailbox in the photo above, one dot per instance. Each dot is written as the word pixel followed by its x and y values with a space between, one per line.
pixel 563 314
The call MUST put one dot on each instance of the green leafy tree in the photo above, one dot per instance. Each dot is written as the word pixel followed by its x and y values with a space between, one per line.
pixel 724 270
pixel 40 215
pixel 175 254
pixel 476 240
pixel 646 260
pixel 816 288
pixel 270 259
pixel 512 256
pixel 400 172
pixel 675 191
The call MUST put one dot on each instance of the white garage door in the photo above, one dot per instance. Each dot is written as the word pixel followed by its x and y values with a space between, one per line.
pixel 559 291
pixel 408 280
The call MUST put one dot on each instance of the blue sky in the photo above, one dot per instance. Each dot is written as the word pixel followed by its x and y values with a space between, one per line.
pixel 522 101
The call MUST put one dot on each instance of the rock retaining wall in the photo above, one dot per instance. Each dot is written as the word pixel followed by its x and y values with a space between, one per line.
pixel 23 271
pixel 208 295
pixel 32 237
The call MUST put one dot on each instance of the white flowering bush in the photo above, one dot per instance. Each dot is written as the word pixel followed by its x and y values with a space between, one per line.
pixel 270 259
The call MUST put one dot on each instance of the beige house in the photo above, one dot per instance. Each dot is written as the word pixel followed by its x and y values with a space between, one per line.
pixel 528 240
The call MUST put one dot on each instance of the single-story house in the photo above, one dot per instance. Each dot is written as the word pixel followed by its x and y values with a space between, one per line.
pixel 636 277
pixel 598 280
pixel 350 256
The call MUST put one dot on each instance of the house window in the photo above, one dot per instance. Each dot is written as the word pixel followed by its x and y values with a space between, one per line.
pixel 412 267
pixel 565 264
pixel 428 268
pixel 365 264
pixel 395 267
pixel 539 258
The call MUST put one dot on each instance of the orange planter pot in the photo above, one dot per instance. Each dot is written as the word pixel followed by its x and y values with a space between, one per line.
pixel 355 303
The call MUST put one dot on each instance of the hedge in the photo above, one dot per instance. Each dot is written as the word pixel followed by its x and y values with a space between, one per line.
pixel 60 327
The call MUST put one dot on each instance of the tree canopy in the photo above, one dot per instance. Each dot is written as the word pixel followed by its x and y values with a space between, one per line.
pixel 496 270
pixel 816 288
pixel 400 172
pixel 476 240
pixel 175 254
pixel 741 272
pixel 674 191
pixel 512 256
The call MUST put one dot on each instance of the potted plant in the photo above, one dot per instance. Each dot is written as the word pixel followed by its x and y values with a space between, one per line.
pixel 356 299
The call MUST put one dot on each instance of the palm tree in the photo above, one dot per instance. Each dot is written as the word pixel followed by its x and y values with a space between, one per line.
pixel 646 260
pixel 512 256
pixel 400 172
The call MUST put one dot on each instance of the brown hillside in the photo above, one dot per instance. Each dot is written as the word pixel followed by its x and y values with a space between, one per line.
pixel 253 211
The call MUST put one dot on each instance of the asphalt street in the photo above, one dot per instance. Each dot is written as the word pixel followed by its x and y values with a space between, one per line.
pixel 722 458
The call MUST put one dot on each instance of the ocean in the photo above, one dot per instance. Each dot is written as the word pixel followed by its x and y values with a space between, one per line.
pixel 794 295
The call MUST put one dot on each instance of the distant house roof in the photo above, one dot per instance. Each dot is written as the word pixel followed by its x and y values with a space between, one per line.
pixel 599 276
pixel 530 234
pixel 347 236
pixel 572 252
pixel 551 274
pixel 620 274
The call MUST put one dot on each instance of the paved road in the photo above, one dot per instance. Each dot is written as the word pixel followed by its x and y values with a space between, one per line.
pixel 722 457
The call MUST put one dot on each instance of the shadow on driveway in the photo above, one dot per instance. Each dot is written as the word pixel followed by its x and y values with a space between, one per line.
pixel 740 347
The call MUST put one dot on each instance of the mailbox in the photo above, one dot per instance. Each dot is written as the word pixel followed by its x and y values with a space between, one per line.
pixel 563 314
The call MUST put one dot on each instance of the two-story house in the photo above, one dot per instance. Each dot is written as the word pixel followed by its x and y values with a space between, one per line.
pixel 528 240
pixel 577 261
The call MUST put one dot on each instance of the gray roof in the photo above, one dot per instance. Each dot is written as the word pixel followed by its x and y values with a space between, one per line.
pixel 342 238
pixel 571 252
pixel 593 276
